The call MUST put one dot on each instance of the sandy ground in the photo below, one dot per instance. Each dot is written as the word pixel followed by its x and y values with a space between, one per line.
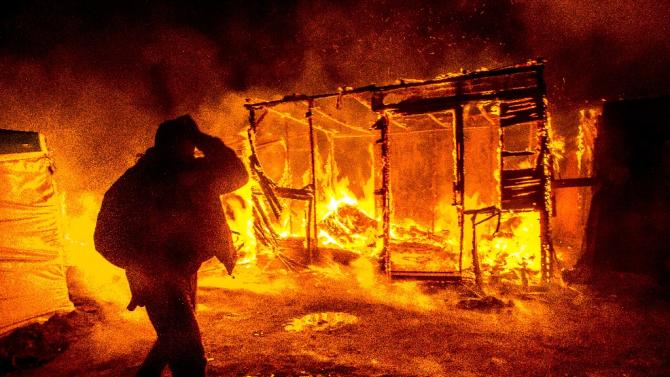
pixel 356 324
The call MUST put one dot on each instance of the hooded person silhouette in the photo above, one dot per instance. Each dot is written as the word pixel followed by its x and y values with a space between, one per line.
pixel 159 221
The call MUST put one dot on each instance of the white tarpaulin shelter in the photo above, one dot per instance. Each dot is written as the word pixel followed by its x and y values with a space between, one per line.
pixel 32 275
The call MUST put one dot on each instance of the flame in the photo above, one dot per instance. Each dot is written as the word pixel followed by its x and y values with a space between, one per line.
pixel 334 203
pixel 556 145
pixel 239 214
pixel 513 253
pixel 92 273
pixel 587 133
pixel 350 223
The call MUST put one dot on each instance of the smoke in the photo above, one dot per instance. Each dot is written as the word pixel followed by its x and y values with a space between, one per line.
pixel 604 49
pixel 594 49
pixel 97 78
pixel 98 117
pixel 358 43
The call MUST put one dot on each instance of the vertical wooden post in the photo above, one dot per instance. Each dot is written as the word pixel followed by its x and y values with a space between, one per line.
pixel 251 134
pixel 382 125
pixel 252 122
pixel 475 253
pixel 546 164
pixel 386 184
pixel 312 221
pixel 459 183
pixel 288 168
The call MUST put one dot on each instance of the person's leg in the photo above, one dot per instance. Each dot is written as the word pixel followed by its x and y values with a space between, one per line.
pixel 154 363
pixel 179 344
pixel 159 311
pixel 189 357
pixel 145 293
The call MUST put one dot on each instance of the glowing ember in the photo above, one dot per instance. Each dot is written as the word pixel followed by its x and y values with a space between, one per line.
pixel 347 226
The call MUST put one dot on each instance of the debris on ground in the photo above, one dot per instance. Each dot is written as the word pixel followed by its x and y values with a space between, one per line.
pixel 325 321
pixel 484 303
pixel 36 344
pixel 264 325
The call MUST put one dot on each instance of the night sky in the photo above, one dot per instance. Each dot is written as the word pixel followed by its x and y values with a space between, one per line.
pixel 611 49
pixel 91 73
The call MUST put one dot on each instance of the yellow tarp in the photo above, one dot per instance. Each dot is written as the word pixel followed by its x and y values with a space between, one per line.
pixel 32 275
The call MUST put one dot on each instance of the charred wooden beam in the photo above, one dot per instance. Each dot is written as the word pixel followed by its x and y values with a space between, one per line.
pixel 519 192
pixel 531 66
pixel 516 153
pixel 382 125
pixel 262 226
pixel 546 163
pixel 268 192
pixel 312 221
pixel 459 181
pixel 296 194
pixel 523 116
pixel 520 174
pixel 450 276
pixel 518 104
pixel 427 105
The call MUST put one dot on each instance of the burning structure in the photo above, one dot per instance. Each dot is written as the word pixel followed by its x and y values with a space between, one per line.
pixel 437 178
pixel 411 193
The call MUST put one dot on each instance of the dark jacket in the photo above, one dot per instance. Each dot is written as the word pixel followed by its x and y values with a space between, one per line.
pixel 165 220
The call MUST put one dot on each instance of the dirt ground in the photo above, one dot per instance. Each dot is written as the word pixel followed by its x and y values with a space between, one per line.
pixel 346 321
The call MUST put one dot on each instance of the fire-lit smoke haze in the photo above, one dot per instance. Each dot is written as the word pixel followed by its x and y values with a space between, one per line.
pixel 459 223
pixel 97 79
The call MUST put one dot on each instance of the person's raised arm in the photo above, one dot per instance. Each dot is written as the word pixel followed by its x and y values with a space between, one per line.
pixel 221 163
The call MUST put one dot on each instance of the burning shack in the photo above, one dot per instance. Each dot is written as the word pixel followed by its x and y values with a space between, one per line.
pixel 441 179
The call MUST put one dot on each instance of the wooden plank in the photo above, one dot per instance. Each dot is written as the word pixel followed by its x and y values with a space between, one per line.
pixel 516 153
pixel 428 105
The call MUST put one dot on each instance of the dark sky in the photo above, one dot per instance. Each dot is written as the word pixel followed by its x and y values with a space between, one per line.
pixel 611 49
pixel 98 76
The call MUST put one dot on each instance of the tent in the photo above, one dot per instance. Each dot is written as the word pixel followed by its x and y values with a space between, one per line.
pixel 32 274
